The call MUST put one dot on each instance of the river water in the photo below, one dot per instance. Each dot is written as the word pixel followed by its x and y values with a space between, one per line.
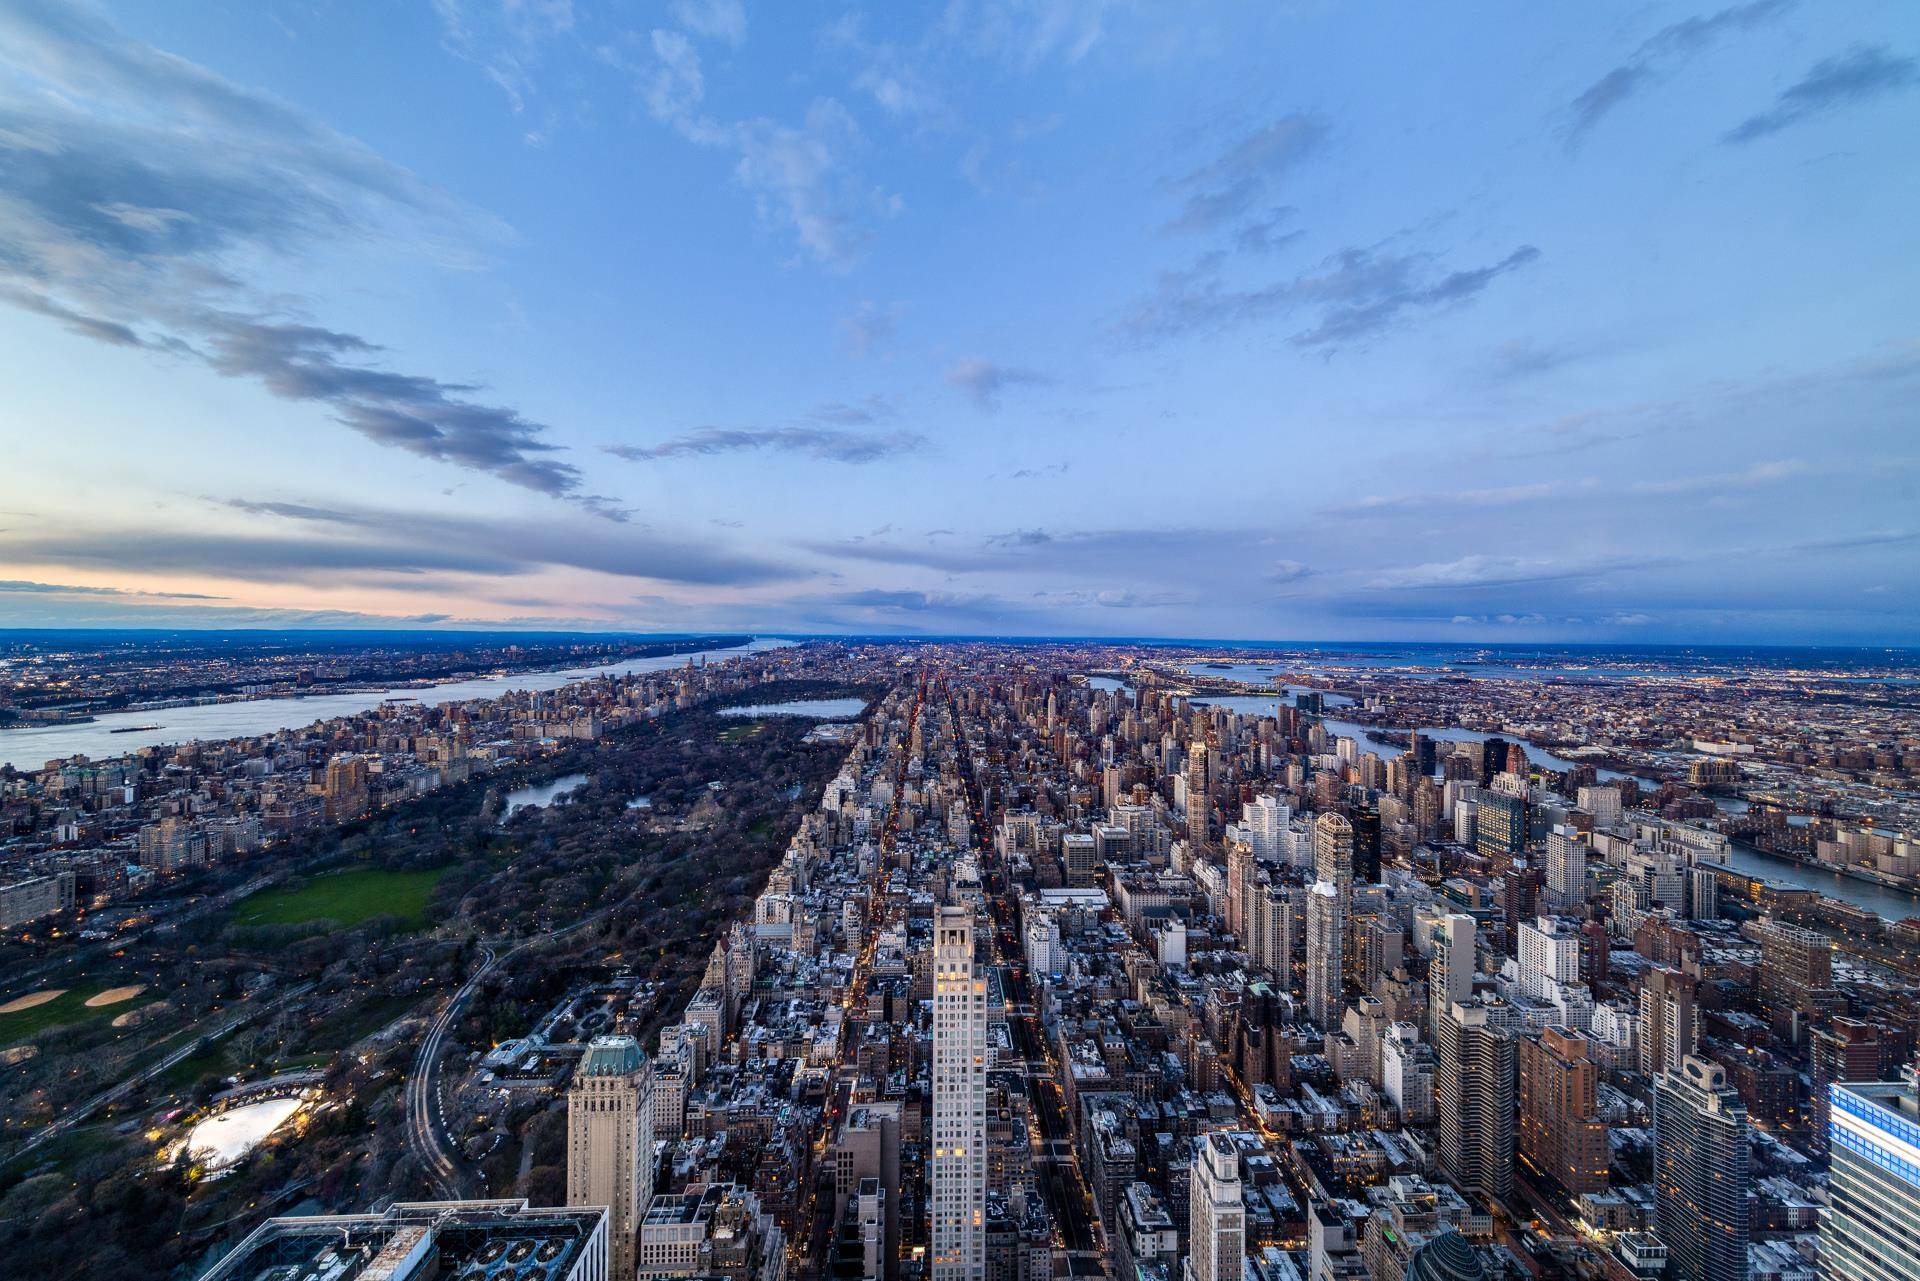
pixel 826 709
pixel 32 746
pixel 1893 904
pixel 540 795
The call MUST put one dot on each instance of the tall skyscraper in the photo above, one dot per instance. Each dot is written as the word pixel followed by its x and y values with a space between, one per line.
pixel 1198 790
pixel 1263 820
pixel 1700 1172
pixel 1561 1132
pixel 1333 854
pixel 958 1171
pixel 1566 869
pixel 1326 949
pixel 1871 1230
pixel 1216 1213
pixel 1451 966
pixel 1549 954
pixel 1473 1090
pixel 1668 1019
pixel 610 1141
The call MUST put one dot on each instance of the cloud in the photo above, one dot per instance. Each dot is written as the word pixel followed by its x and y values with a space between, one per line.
pixel 138 186
pixel 1027 33
pixel 826 444
pixel 503 39
pixel 422 416
pixel 799 176
pixel 1761 473
pixel 343 537
pixel 1658 57
pixel 871 326
pixel 1478 570
pixel 1861 73
pixel 19 586
pixel 715 19
pixel 266 558
pixel 1355 295
pixel 983 381
pixel 1045 472
pixel 862 413
pixel 1233 182
pixel 106 331
pixel 1263 234
pixel 1288 571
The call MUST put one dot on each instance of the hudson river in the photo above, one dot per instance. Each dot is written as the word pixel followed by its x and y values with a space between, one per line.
pixel 32 746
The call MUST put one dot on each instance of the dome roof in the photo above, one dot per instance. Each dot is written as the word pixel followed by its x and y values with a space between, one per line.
pixel 1447 1257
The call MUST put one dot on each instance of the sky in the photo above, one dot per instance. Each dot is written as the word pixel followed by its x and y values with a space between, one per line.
pixel 1289 321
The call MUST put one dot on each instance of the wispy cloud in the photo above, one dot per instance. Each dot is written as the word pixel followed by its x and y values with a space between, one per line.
pixel 826 444
pixel 870 327
pixel 799 175
pixel 1861 73
pixel 861 413
pixel 1234 182
pixel 1660 56
pixel 983 381
pixel 25 587
pixel 140 189
pixel 1354 295
pixel 715 19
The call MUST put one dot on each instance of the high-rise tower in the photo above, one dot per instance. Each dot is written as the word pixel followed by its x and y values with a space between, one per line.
pixel 610 1141
pixel 1700 1172
pixel 1473 1089
pixel 958 1171
pixel 1871 1232
pixel 1217 1213
pixel 1326 948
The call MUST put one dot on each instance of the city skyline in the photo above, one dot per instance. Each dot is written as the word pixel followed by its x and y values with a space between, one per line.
pixel 1059 318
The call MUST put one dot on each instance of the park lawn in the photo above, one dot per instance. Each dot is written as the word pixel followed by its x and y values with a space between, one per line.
pixel 68 1007
pixel 346 898
pixel 736 733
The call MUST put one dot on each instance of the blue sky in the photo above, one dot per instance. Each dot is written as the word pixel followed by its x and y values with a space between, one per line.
pixel 1518 322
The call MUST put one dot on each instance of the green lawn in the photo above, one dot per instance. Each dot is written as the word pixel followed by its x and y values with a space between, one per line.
pixel 346 898
pixel 735 733
pixel 69 1007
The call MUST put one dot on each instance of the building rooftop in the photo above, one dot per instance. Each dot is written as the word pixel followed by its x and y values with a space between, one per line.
pixel 446 1240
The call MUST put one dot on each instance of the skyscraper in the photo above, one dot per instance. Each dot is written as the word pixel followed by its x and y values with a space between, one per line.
pixel 1216 1213
pixel 1501 829
pixel 1796 976
pixel 1668 1019
pixel 610 1141
pixel 1333 854
pixel 1561 1132
pixel 1450 969
pixel 1566 869
pixel 958 1171
pixel 1326 947
pixel 1700 1172
pixel 1871 1231
pixel 1198 787
pixel 1473 1089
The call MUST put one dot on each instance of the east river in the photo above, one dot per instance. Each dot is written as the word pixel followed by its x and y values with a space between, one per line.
pixel 1893 904
pixel 32 746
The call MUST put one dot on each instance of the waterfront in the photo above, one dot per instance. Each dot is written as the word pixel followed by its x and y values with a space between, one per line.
pixel 826 709
pixel 1893 904
pixel 540 795
pixel 31 747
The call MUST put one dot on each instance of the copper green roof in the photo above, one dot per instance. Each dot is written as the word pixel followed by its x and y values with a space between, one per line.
pixel 612 1056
